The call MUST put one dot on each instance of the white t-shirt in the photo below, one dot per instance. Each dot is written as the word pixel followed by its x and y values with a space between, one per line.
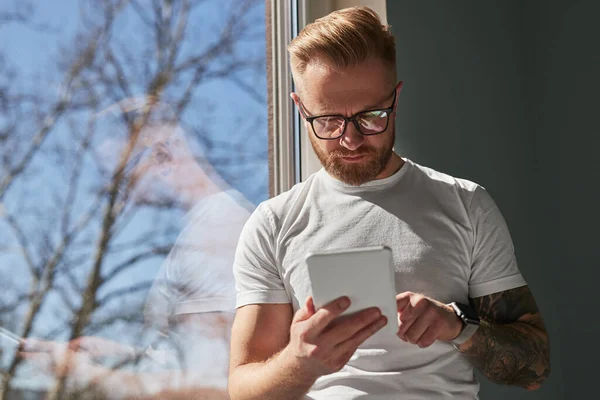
pixel 197 278
pixel 449 242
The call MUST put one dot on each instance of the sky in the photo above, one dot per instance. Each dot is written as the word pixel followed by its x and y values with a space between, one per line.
pixel 35 52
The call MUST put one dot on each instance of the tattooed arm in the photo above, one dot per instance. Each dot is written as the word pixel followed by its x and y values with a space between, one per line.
pixel 511 345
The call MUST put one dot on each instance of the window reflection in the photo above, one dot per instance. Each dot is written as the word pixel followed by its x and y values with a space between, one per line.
pixel 133 145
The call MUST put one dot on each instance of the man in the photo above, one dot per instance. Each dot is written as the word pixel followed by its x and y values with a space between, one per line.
pixel 449 241
pixel 193 296
pixel 189 309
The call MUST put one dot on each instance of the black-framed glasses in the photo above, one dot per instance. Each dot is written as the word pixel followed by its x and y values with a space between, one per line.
pixel 368 122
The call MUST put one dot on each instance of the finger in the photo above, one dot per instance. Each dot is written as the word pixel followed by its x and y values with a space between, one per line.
pixel 427 338
pixel 323 317
pixel 408 314
pixel 340 360
pixel 310 305
pixel 418 327
pixel 404 326
pixel 76 344
pixel 416 306
pixel 305 312
pixel 402 300
pixel 359 337
pixel 406 318
pixel 43 361
pixel 348 327
pixel 36 345
pixel 26 355
pixel 345 358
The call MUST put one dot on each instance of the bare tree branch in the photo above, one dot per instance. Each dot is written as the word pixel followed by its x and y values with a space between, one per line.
pixel 23 243
pixel 40 287
pixel 85 58
pixel 260 98
pixel 132 261
pixel 64 296
pixel 20 15
pixel 121 77
pixel 76 173
pixel 145 240
pixel 141 12
pixel 138 287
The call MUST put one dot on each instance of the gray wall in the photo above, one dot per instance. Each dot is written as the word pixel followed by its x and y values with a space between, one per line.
pixel 505 93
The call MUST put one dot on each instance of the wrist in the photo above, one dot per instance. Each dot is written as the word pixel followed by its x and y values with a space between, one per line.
pixel 85 375
pixel 469 322
pixel 297 367
pixel 454 325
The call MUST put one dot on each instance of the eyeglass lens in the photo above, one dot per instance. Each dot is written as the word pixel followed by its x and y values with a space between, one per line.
pixel 369 123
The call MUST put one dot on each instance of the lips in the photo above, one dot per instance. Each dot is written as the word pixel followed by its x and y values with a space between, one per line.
pixel 353 157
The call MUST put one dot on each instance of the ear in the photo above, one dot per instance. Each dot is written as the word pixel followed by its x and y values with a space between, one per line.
pixel 399 86
pixel 296 99
pixel 398 90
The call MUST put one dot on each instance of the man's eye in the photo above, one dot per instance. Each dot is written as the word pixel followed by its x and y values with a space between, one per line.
pixel 161 155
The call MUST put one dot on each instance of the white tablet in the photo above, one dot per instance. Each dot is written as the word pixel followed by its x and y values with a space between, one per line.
pixel 365 275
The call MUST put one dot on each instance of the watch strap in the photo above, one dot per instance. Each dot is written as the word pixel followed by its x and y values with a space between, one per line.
pixel 466 333
pixel 470 325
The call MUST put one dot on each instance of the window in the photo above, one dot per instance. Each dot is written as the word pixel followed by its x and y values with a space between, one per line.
pixel 133 142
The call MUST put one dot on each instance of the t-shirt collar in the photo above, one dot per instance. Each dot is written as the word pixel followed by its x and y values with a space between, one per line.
pixel 373 185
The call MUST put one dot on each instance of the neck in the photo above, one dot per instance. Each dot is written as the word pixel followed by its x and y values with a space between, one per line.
pixel 191 191
pixel 393 166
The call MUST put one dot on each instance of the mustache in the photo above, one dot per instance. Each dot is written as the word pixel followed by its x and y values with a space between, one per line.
pixel 348 153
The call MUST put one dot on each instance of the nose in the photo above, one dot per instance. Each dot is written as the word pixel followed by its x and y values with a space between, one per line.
pixel 352 139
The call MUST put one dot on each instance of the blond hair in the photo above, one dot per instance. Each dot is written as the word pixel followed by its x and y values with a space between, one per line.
pixel 342 39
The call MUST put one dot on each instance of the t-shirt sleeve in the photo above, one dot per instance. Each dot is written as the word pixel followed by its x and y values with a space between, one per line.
pixel 494 265
pixel 191 280
pixel 197 277
pixel 159 304
pixel 257 277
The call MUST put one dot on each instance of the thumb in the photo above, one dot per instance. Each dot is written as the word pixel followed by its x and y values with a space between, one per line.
pixel 36 345
pixel 402 300
pixel 305 312
pixel 76 344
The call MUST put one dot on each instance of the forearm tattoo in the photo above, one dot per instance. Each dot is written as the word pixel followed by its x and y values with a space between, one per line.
pixel 511 345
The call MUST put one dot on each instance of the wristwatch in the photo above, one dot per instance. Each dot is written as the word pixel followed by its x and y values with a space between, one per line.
pixel 470 322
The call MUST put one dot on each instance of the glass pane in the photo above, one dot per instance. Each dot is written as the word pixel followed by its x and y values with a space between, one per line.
pixel 133 147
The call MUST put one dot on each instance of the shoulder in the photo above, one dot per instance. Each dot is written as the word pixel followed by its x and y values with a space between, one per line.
pixel 280 206
pixel 445 185
pixel 225 204
pixel 215 218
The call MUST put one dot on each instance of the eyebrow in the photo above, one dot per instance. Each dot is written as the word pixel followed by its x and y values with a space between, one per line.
pixel 375 106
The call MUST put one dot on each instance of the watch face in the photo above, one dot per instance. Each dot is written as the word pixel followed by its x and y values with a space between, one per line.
pixel 470 314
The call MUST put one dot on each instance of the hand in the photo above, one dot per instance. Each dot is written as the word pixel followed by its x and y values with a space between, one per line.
pixel 423 320
pixel 96 347
pixel 91 346
pixel 55 358
pixel 322 344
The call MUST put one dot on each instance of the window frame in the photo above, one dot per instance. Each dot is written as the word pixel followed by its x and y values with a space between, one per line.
pixel 284 157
